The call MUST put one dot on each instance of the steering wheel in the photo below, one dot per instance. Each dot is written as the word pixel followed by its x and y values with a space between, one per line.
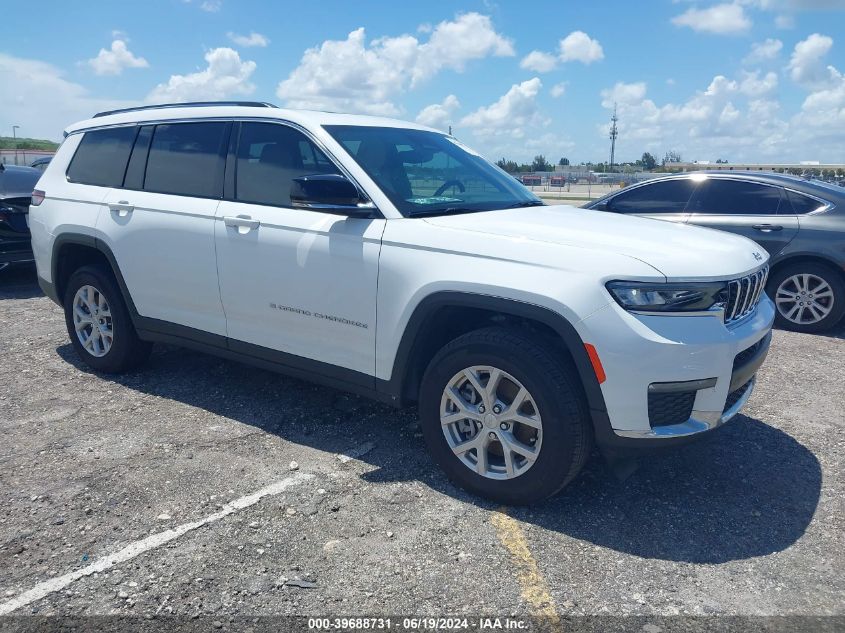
pixel 447 184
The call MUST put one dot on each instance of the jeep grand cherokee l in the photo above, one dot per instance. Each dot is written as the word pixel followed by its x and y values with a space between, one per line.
pixel 389 259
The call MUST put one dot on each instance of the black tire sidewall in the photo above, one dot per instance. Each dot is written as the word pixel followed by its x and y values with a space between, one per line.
pixel 559 410
pixel 125 343
pixel 827 273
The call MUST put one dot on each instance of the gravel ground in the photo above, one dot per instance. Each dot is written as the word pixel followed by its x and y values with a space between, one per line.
pixel 749 522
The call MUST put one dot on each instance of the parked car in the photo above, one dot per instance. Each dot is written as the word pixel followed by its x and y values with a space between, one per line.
pixel 800 223
pixel 16 185
pixel 524 333
pixel 41 163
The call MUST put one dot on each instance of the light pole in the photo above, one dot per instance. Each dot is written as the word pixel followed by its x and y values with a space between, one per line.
pixel 15 141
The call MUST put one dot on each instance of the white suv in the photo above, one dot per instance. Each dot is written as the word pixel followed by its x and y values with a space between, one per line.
pixel 386 258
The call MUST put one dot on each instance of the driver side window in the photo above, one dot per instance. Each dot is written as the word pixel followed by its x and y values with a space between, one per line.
pixel 269 157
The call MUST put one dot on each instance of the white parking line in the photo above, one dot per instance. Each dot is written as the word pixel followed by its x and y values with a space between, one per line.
pixel 151 542
pixel 355 453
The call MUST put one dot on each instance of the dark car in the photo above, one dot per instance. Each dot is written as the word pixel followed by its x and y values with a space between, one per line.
pixel 800 223
pixel 16 185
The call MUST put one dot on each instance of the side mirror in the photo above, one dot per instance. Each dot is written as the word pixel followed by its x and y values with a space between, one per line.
pixel 329 193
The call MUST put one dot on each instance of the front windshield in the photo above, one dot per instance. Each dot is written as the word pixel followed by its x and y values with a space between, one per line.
pixel 426 173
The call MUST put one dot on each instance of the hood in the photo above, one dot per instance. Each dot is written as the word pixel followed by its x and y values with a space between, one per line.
pixel 676 250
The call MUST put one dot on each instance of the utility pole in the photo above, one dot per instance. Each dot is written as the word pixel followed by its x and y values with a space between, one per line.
pixel 15 141
pixel 613 134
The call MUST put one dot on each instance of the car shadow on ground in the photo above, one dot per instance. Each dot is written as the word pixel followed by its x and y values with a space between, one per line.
pixel 19 282
pixel 748 490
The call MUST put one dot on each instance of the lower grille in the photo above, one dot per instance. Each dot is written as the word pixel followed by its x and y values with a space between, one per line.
pixel 747 353
pixel 665 408
pixel 735 395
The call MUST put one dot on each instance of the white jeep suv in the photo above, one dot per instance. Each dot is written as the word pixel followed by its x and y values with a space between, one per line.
pixel 388 259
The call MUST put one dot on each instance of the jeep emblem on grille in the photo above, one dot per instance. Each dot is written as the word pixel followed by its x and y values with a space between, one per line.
pixel 758 256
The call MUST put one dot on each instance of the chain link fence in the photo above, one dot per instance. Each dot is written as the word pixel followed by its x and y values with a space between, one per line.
pixel 22 156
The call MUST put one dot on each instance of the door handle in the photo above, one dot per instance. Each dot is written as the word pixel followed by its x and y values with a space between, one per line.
pixel 243 223
pixel 767 228
pixel 122 208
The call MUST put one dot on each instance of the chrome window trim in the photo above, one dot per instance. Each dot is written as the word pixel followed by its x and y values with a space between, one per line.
pixel 827 205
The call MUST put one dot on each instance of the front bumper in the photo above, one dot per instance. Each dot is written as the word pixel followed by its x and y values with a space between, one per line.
pixel 714 364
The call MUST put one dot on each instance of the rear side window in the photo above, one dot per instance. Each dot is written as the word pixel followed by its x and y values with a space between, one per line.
pixel 101 157
pixel 187 159
pixel 803 204
pixel 668 196
pixel 735 197
pixel 270 156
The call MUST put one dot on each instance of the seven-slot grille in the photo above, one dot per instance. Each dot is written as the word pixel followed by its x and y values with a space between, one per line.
pixel 743 295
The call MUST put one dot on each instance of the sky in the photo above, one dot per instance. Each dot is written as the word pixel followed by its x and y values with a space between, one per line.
pixel 740 80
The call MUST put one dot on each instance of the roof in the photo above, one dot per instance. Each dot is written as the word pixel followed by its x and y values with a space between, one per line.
pixel 306 118
pixel 833 193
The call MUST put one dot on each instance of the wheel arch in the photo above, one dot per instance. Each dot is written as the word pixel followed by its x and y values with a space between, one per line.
pixel 810 258
pixel 71 251
pixel 443 316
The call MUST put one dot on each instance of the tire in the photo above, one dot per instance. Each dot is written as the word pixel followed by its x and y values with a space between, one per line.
pixel 788 279
pixel 554 394
pixel 125 351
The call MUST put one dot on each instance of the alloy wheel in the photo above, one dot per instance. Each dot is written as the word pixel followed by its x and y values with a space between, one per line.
pixel 92 321
pixel 804 299
pixel 491 422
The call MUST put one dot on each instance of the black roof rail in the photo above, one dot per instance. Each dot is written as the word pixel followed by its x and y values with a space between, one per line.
pixel 189 104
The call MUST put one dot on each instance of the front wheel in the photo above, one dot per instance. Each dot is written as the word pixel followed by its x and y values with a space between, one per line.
pixel 809 297
pixel 99 325
pixel 504 416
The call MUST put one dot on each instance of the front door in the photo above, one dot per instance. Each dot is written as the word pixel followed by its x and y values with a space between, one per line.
pixel 293 281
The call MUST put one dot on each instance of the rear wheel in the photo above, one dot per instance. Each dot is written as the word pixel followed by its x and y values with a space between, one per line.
pixel 99 325
pixel 504 417
pixel 809 297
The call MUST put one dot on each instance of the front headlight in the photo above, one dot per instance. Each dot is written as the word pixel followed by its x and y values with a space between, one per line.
pixel 684 297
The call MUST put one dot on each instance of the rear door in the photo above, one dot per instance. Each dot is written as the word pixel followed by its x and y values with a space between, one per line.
pixel 160 224
pixel 661 200
pixel 758 211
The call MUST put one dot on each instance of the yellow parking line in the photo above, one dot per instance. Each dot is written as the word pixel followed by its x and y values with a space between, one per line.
pixel 534 588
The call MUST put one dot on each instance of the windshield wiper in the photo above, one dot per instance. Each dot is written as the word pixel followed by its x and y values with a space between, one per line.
pixel 447 211
pixel 527 203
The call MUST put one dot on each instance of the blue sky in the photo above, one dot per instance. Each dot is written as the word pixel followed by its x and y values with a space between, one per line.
pixel 744 80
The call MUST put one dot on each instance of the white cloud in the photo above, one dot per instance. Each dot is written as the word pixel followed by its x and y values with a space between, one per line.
pixel 253 39
pixel 23 102
pixel 784 21
pixel 539 62
pixel 225 76
pixel 354 75
pixel 558 90
pixel 763 51
pixel 212 6
pixel 115 59
pixel 806 66
pixel 439 115
pixel 753 85
pixel 731 118
pixel 824 110
pixel 624 93
pixel 579 47
pixel 510 114
pixel 721 19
